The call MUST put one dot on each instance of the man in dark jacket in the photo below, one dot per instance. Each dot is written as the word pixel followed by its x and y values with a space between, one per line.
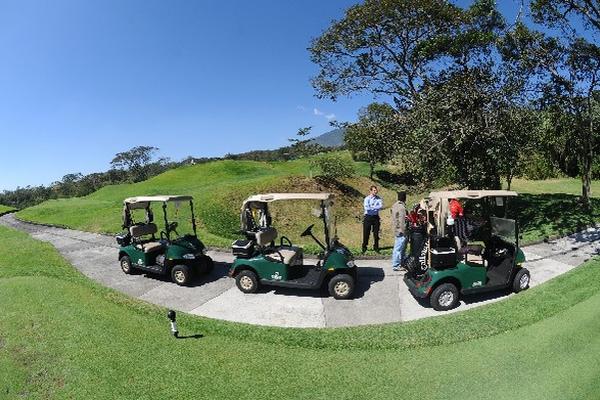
pixel 399 227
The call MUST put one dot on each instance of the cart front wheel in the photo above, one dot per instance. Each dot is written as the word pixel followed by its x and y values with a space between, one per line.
pixel 341 286
pixel 444 297
pixel 181 275
pixel 522 280
pixel 126 266
pixel 247 281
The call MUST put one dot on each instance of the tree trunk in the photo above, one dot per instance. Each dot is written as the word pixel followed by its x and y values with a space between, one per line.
pixel 587 160
pixel 371 170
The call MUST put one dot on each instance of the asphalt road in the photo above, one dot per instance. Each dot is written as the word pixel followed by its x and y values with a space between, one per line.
pixel 381 297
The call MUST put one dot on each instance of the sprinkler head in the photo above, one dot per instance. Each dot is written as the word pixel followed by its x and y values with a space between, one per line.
pixel 172 315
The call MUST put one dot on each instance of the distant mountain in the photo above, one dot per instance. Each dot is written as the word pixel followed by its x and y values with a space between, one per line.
pixel 334 138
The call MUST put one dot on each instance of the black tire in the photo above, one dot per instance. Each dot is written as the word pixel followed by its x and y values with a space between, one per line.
pixel 126 265
pixel 444 297
pixel 181 275
pixel 341 286
pixel 247 281
pixel 521 281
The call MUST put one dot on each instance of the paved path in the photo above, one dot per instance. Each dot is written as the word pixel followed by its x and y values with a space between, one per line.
pixel 381 293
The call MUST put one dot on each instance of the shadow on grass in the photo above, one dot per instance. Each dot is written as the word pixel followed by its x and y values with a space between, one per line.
pixel 197 336
pixel 542 216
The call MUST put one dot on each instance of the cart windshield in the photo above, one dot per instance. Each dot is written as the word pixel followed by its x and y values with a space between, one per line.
pixel 180 214
pixel 504 228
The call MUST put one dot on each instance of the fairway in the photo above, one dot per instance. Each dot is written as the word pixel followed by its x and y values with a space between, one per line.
pixel 65 337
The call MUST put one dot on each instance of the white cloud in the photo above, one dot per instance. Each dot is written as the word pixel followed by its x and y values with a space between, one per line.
pixel 301 108
pixel 316 111
pixel 330 117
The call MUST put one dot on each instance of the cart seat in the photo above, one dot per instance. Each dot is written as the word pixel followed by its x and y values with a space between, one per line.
pixel 287 255
pixel 265 236
pixel 149 247
pixel 139 231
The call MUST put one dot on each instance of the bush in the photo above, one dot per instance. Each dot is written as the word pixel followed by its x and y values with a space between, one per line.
pixel 333 166
pixel 539 167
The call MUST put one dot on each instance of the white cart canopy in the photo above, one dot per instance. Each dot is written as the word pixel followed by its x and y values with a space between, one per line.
pixel 270 197
pixel 471 194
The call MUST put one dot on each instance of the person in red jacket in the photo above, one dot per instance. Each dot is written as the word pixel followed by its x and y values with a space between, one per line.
pixel 456 209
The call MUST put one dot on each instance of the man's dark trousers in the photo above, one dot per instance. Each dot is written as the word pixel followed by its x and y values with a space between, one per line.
pixel 371 223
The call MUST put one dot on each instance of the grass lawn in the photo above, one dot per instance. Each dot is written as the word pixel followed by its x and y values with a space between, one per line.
pixel 5 209
pixel 62 336
pixel 551 207
pixel 547 208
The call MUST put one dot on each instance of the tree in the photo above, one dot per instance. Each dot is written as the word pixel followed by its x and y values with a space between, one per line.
pixel 303 146
pixel 383 47
pixel 567 76
pixel 375 136
pixel 135 161
pixel 558 12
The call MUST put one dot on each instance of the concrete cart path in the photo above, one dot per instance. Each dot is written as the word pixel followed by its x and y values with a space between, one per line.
pixel 381 296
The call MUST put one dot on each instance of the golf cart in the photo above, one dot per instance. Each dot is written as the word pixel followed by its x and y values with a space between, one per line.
pixel 448 262
pixel 180 256
pixel 259 260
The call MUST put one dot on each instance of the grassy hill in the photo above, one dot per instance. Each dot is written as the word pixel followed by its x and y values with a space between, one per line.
pixel 219 189
pixel 546 208
pixel 63 336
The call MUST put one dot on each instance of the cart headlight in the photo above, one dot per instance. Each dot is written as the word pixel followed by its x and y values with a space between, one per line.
pixel 350 264
pixel 189 256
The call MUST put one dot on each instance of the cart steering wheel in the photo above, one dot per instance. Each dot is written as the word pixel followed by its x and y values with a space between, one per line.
pixel 285 238
pixel 307 231
pixel 172 227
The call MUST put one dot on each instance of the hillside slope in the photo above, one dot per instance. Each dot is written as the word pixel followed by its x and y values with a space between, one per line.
pixel 219 189
pixel 545 208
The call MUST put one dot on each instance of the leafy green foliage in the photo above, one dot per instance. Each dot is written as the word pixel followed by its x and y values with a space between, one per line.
pixel 384 47
pixel 333 166
pixel 375 135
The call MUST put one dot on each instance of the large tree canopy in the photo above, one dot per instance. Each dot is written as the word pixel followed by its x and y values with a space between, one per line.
pixel 381 46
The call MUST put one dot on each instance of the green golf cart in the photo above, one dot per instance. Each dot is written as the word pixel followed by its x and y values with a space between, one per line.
pixel 476 253
pixel 259 260
pixel 182 256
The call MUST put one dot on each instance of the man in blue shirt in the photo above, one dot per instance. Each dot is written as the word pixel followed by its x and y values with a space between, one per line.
pixel 372 205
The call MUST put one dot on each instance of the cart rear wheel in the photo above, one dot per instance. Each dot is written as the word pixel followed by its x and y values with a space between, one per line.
pixel 181 275
pixel 522 280
pixel 444 297
pixel 341 286
pixel 247 281
pixel 126 265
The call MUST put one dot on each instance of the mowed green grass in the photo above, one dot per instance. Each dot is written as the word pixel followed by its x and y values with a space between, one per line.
pixel 552 207
pixel 5 209
pixel 546 208
pixel 64 337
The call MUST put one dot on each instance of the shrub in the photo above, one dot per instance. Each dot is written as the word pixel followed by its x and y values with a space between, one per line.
pixel 333 166
pixel 539 167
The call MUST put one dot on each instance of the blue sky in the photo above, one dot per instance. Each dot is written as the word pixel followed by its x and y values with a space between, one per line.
pixel 83 80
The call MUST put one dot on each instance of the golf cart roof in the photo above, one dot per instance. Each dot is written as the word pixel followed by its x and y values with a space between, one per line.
pixel 471 194
pixel 270 197
pixel 150 199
